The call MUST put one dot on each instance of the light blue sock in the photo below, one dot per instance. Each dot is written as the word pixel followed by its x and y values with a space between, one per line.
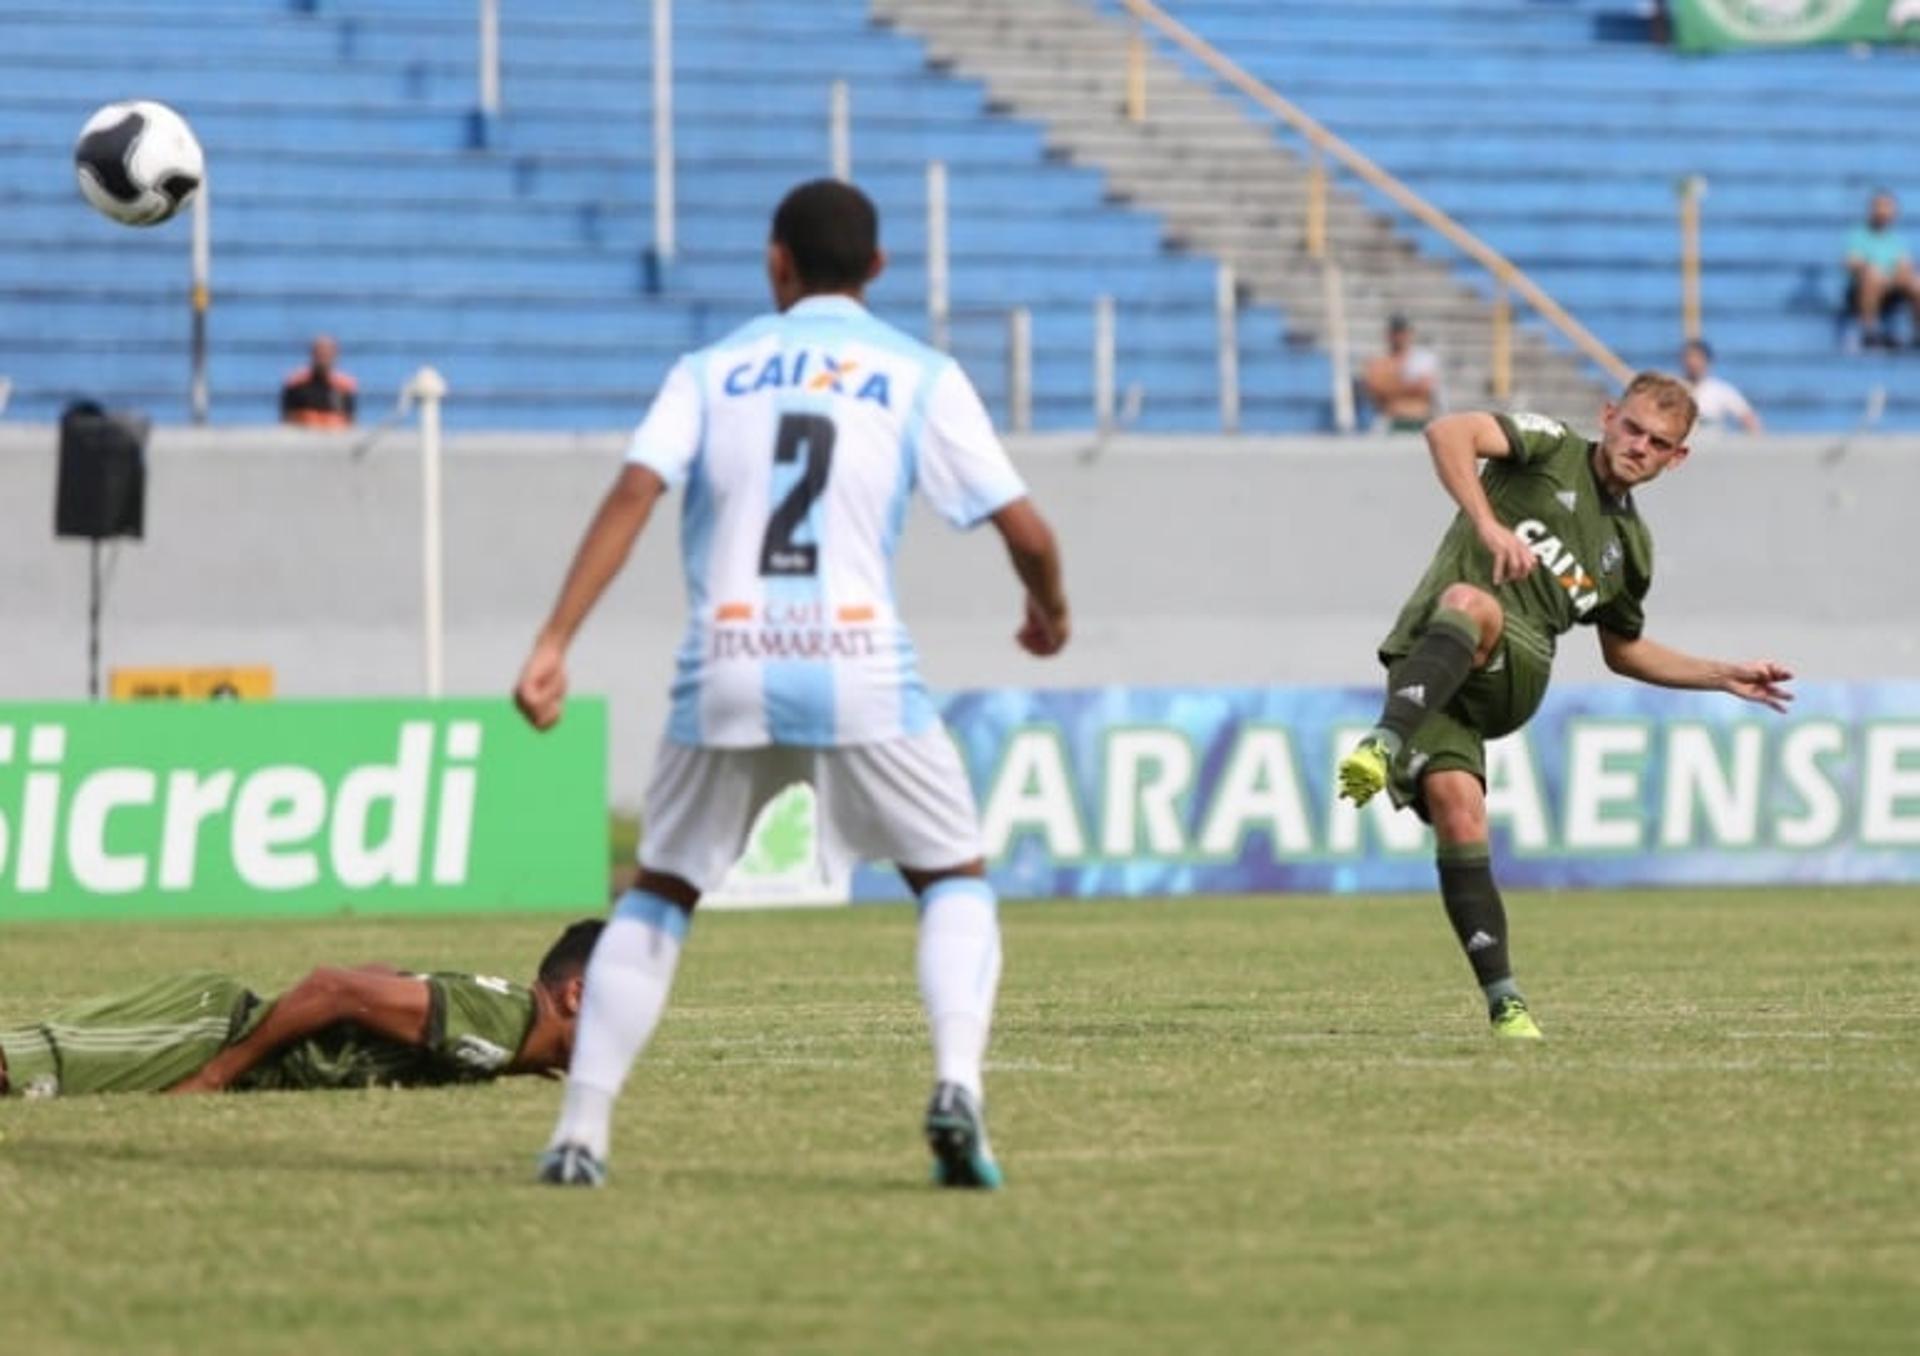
pixel 628 980
pixel 958 960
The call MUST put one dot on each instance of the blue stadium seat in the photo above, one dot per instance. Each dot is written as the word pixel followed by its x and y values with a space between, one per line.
pixel 1538 127
pixel 347 197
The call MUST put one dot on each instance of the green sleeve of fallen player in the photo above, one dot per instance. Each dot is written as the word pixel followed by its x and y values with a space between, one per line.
pixel 380 1002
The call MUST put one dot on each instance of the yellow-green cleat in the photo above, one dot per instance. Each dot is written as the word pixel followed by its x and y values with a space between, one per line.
pixel 1512 1021
pixel 1363 773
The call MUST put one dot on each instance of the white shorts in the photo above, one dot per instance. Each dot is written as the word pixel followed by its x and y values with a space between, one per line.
pixel 905 801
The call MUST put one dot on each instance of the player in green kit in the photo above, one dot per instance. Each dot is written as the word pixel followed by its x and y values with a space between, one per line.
pixel 369 1026
pixel 1547 538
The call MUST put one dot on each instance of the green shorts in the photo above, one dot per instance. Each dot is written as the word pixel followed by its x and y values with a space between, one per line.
pixel 143 1040
pixel 1497 699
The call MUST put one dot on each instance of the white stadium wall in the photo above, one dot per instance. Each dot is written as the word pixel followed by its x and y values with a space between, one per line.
pixel 1190 561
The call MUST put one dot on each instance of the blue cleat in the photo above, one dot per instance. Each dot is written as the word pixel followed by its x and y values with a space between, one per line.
pixel 571 1165
pixel 957 1135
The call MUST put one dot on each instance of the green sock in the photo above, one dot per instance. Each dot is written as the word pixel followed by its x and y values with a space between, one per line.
pixel 1426 680
pixel 1478 916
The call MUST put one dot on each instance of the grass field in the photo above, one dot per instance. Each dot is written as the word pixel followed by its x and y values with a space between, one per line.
pixel 1229 1126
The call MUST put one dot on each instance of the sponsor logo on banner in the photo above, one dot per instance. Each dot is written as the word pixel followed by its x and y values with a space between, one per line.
pixel 254 682
pixel 298 807
pixel 1779 20
pixel 1174 791
pixel 1708 25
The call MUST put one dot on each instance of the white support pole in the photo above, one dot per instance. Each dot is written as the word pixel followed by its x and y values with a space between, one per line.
pixel 1103 344
pixel 489 60
pixel 198 397
pixel 429 388
pixel 938 311
pixel 1019 370
pixel 1338 350
pixel 1226 303
pixel 664 243
pixel 840 131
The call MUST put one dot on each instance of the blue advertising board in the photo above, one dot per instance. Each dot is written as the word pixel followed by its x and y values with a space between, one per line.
pixel 1123 791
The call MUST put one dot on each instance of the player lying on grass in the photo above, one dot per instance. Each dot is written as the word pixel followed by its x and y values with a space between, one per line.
pixel 368 1026
pixel 1548 537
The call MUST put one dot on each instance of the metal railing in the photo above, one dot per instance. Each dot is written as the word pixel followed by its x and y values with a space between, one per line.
pixel 1692 190
pixel 840 131
pixel 487 114
pixel 664 242
pixel 1325 145
pixel 200 298
pixel 425 390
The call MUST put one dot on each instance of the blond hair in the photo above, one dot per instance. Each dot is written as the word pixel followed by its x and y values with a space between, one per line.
pixel 1667 393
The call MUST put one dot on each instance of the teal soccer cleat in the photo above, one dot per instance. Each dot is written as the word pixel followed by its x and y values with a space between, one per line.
pixel 571 1165
pixel 957 1135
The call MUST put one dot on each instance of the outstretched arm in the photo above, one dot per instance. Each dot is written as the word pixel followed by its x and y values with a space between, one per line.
pixel 1457 443
pixel 391 1005
pixel 541 692
pixel 1036 559
pixel 1651 662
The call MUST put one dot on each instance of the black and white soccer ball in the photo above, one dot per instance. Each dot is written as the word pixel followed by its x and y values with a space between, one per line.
pixel 138 162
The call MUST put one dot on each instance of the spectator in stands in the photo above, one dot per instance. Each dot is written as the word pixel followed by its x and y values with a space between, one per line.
pixel 1659 26
pixel 1880 272
pixel 319 395
pixel 1719 400
pixel 1403 384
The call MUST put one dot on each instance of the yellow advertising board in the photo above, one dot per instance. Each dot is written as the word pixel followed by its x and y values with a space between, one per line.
pixel 252 682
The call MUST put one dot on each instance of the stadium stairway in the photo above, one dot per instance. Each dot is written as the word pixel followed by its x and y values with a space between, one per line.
pixel 347 198
pixel 1558 133
pixel 1224 184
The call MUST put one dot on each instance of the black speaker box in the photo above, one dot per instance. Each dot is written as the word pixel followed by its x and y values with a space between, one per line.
pixel 103 474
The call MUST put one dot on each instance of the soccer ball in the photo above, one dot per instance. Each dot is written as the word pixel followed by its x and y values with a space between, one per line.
pixel 138 162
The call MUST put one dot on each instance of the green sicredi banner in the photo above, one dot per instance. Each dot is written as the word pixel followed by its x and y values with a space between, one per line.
pixel 299 807
pixel 1718 25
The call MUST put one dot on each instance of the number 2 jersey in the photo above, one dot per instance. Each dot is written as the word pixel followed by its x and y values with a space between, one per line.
pixel 799 440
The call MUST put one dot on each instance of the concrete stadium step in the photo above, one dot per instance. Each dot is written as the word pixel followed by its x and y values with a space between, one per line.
pixel 265 129
pixel 273 323
pixel 54 225
pixel 550 177
pixel 34 179
pixel 1065 63
pixel 604 94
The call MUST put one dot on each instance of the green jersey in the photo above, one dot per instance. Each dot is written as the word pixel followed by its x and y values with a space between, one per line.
pixel 148 1039
pixel 1596 556
pixel 475 1026
pixel 139 1040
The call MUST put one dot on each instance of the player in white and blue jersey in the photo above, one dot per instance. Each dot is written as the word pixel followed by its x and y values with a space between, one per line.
pixel 797 442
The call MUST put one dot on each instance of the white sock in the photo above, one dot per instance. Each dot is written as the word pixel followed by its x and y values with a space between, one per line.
pixel 959 965
pixel 628 979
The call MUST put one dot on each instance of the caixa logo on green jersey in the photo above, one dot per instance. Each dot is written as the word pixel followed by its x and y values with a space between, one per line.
pixel 404 820
pixel 1780 20
pixel 1558 559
